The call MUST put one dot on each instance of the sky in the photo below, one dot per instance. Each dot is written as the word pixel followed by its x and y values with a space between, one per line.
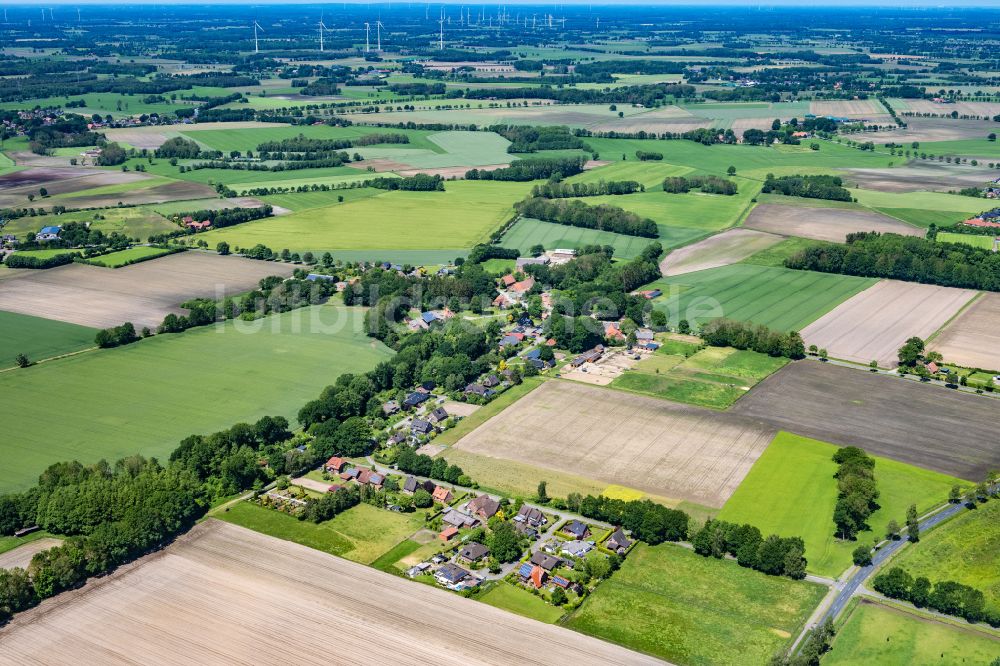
pixel 949 4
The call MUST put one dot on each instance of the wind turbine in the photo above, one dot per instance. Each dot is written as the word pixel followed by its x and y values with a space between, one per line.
pixel 441 31
pixel 256 44
pixel 322 27
pixel 378 35
pixel 367 32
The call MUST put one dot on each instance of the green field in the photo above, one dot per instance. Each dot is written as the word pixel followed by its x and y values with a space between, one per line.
pixel 983 242
pixel 461 216
pixel 791 491
pixel 650 174
pixel 296 201
pixel 780 298
pixel 966 549
pixel 775 255
pixel 135 222
pixel 875 634
pixel 520 601
pixel 145 397
pixel 47 254
pixel 528 232
pixel 971 147
pixel 360 534
pixel 123 257
pixel 671 603
pixel 39 338
pixel 713 377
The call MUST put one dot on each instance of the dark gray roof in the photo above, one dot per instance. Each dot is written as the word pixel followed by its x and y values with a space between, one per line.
pixel 473 552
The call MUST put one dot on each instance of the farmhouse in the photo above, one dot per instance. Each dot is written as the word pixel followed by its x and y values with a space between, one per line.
pixel 335 464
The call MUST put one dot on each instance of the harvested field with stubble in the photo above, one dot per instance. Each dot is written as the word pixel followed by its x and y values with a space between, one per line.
pixel 21 556
pixel 826 224
pixel 142 293
pixel 224 594
pixel 930 427
pixel 660 447
pixel 155 136
pixel 972 339
pixel 916 177
pixel 723 249
pixel 874 324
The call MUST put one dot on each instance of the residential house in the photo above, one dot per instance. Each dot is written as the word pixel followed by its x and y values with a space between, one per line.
pixel 534 575
pixel 531 516
pixel 417 569
pixel 428 317
pixel 414 399
pixel 618 542
pixel 410 485
pixel 438 416
pixel 390 408
pixel 480 390
pixel 421 427
pixel 508 281
pixel 370 478
pixel 335 464
pixel 526 530
pixel 484 506
pixel 397 438
pixel 545 561
pixel 450 574
pixel 612 331
pixel 458 519
pixel 577 548
pixel 48 234
pixel 473 552
pixel 520 289
pixel 442 494
pixel 509 341
pixel 577 529
pixel 448 533
pixel 503 301
pixel 933 368
pixel 491 381
pixel 349 474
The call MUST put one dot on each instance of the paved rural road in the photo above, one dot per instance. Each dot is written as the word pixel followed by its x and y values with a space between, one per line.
pixel 893 373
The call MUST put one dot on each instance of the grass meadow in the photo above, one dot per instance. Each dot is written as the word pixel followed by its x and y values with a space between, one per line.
pixel 360 534
pixel 966 549
pixel 982 242
pixel 791 491
pixel 39 338
pixel 145 397
pixel 131 255
pixel 713 377
pixel 671 603
pixel 522 602
pixel 876 634
pixel 528 232
pixel 780 298
pixel 461 216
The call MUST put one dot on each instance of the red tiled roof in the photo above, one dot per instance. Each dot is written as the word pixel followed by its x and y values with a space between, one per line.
pixel 447 533
pixel 537 576
pixel 980 222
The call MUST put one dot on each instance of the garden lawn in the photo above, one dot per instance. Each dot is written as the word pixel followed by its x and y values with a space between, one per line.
pixel 360 534
pixel 965 549
pixel 713 377
pixel 131 255
pixel 39 338
pixel 520 601
pixel 528 232
pixel 791 491
pixel 780 298
pixel 463 215
pixel 875 634
pixel 671 603
pixel 145 397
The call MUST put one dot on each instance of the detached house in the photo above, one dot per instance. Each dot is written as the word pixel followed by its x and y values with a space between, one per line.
pixel 442 494
pixel 484 506
pixel 531 516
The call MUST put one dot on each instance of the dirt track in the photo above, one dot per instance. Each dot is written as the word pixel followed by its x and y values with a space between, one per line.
pixel 722 249
pixel 661 447
pixel 972 340
pixel 926 426
pixel 142 293
pixel 826 224
pixel 874 324
pixel 224 594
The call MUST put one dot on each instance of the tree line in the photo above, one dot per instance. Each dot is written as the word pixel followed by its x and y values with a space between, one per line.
pixel 563 190
pixel 646 520
pixel 871 254
pixel 759 338
pixel 420 182
pixel 948 597
pixel 534 169
pixel 857 492
pixel 707 184
pixel 301 144
pixel 578 214
pixel 809 187
pixel 774 555
pixel 528 139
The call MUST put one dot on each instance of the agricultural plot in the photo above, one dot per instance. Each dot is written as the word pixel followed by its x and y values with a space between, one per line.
pixel 528 232
pixel 972 339
pixel 874 324
pixel 464 214
pixel 572 115
pixel 877 634
pixel 670 602
pixel 963 108
pixel 649 174
pixel 145 397
pixel 222 589
pixel 129 256
pixel 142 293
pixel 946 431
pixel 21 556
pixel 652 445
pixel 918 176
pixel 826 224
pixel 965 549
pixel 952 207
pixel 780 298
pixel 134 222
pixel 17 185
pixel 156 193
pixel 722 249
pixel 39 338
pixel 867 109
pixel 152 137
pixel 931 130
pixel 791 491
pixel 982 242
pixel 713 377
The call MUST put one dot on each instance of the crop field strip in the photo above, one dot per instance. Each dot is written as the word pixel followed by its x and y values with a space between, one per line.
pixel 722 249
pixel 663 448
pixel 223 593
pixel 142 293
pixel 875 323
pixel 933 428
pixel 826 224
pixel 972 339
